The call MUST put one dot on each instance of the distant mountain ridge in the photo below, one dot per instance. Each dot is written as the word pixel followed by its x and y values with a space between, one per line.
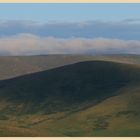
pixel 12 66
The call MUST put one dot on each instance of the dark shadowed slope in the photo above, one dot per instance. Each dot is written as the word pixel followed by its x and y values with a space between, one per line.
pixel 67 88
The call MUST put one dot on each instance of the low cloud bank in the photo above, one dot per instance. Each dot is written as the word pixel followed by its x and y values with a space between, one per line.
pixel 28 44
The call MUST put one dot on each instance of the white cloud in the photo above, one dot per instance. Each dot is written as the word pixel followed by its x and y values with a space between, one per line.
pixel 28 44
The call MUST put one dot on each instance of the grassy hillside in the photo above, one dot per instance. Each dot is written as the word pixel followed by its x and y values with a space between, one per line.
pixel 115 116
pixel 91 98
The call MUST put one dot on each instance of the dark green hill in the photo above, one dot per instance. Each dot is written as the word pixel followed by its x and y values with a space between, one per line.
pixel 90 98
pixel 68 88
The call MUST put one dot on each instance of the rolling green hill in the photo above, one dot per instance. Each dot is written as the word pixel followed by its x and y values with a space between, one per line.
pixel 90 98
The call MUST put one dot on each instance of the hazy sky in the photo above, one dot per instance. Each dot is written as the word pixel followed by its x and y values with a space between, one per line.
pixel 28 29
